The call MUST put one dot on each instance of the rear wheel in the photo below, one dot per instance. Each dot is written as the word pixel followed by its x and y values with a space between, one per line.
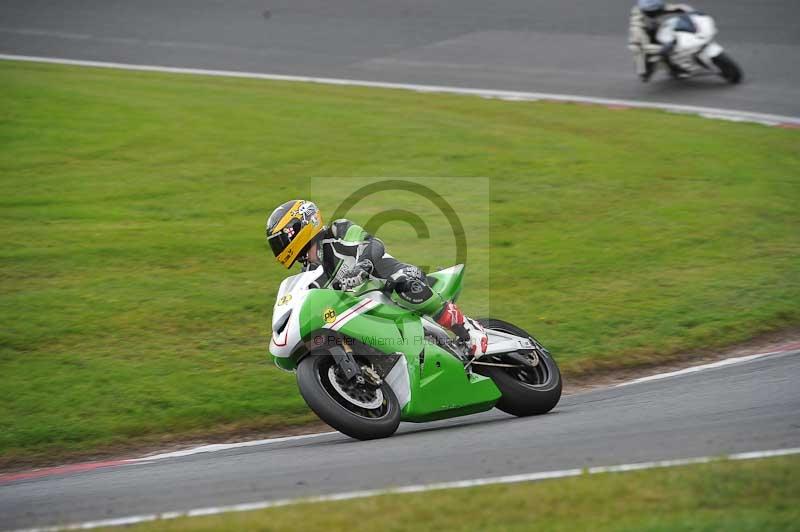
pixel 527 390
pixel 360 410
pixel 728 68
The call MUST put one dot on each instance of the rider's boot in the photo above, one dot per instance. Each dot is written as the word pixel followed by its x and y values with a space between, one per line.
pixel 467 329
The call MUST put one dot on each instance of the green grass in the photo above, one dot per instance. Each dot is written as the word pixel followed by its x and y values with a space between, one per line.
pixel 136 292
pixel 733 496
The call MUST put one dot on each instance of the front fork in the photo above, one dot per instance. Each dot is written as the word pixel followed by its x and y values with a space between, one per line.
pixel 346 362
pixel 351 369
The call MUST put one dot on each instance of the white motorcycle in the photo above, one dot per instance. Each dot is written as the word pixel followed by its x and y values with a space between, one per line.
pixel 685 45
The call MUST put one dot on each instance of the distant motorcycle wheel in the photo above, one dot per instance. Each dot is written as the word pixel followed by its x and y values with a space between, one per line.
pixel 526 391
pixel 728 68
pixel 361 411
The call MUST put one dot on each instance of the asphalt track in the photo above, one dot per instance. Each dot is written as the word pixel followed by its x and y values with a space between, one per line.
pixel 738 408
pixel 569 46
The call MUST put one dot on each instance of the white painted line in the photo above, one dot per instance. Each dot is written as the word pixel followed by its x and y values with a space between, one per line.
pixel 419 488
pixel 707 112
pixel 689 461
pixel 213 448
pixel 764 454
pixel 703 367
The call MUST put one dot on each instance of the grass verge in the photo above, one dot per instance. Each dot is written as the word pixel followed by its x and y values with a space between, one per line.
pixel 135 289
pixel 735 496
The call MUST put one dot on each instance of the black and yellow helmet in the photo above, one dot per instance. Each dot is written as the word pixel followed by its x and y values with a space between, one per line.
pixel 291 228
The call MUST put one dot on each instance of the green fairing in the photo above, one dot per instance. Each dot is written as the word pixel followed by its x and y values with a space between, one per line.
pixel 440 387
pixel 287 364
pixel 381 320
pixel 447 284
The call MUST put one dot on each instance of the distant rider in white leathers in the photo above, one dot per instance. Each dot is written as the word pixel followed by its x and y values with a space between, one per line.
pixel 647 17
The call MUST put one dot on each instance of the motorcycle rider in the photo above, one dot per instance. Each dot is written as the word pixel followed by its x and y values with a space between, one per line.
pixel 646 19
pixel 350 256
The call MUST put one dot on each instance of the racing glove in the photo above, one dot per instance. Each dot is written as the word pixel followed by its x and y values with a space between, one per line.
pixel 355 276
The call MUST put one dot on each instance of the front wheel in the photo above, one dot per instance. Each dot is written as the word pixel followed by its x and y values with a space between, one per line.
pixel 728 68
pixel 526 390
pixel 361 411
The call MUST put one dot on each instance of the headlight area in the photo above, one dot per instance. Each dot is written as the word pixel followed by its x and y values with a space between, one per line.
pixel 280 324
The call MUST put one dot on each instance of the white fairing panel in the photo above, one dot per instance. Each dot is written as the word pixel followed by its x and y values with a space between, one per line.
pixel 685 41
pixel 398 381
pixel 711 51
pixel 706 27
pixel 691 46
pixel 291 295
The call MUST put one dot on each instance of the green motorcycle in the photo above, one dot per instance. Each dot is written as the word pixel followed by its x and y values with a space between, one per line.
pixel 364 364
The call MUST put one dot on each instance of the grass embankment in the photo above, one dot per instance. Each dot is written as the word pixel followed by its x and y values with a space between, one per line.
pixel 733 496
pixel 136 291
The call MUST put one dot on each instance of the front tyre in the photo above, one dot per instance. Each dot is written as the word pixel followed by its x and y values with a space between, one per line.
pixel 728 68
pixel 526 391
pixel 361 411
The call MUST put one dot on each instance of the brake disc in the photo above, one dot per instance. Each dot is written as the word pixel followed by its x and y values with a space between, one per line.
pixel 363 396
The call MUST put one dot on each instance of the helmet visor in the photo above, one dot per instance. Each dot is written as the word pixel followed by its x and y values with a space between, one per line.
pixel 278 242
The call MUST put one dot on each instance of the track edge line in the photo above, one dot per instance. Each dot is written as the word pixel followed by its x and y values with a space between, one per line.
pixel 704 112
pixel 419 488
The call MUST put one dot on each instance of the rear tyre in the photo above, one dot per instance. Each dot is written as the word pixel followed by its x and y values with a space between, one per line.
pixel 528 391
pixel 360 411
pixel 728 68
